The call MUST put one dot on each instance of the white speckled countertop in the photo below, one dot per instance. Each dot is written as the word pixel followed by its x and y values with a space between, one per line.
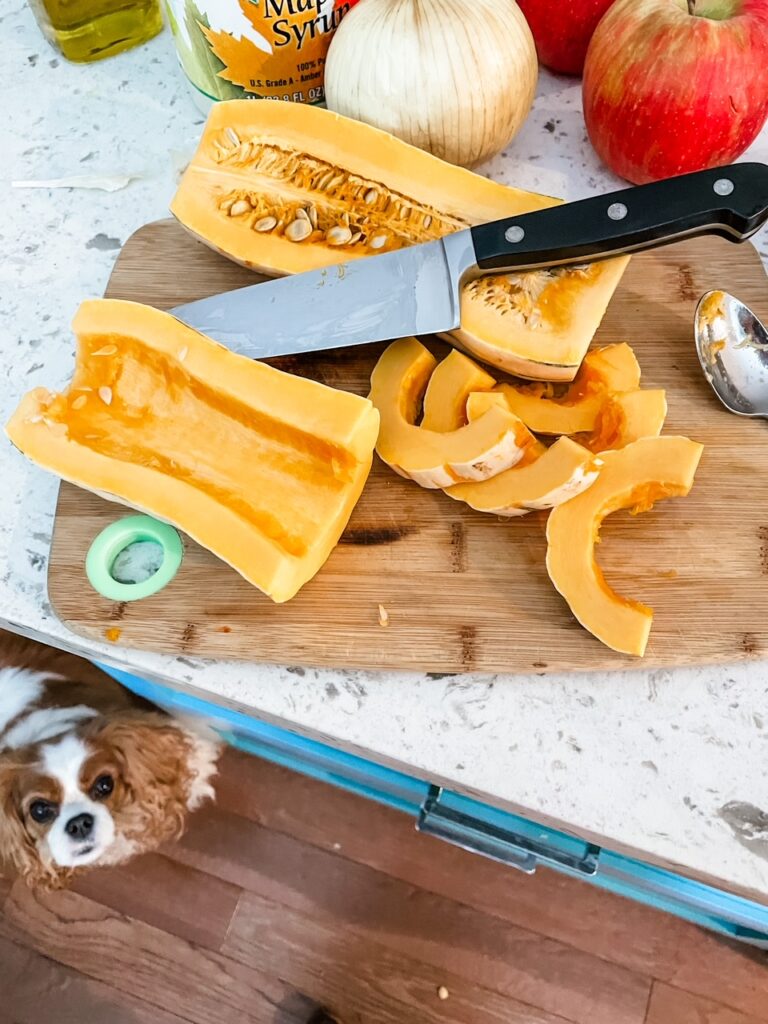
pixel 643 762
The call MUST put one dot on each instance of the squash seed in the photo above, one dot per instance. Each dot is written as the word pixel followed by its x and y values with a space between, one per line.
pixel 241 206
pixel 233 136
pixel 226 204
pixel 105 394
pixel 107 350
pixel 427 221
pixel 183 353
pixel 378 242
pixel 383 616
pixel 338 235
pixel 298 230
pixel 37 418
pixel 313 217
pixel 301 214
pixel 356 237
pixel 265 223
pixel 79 402
pixel 371 196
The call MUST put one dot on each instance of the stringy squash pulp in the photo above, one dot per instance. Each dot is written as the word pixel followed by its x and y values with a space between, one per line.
pixel 261 467
pixel 284 187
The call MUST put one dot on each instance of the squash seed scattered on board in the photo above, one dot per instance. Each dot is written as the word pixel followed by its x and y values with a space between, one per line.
pixel 265 223
pixel 298 230
pixel 383 616
pixel 442 992
pixel 338 235
pixel 79 402
pixel 105 394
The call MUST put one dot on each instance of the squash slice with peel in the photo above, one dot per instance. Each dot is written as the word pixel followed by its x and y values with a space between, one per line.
pixel 626 418
pixel 489 445
pixel 540 480
pixel 452 381
pixel 632 478
pixel 286 187
pixel 603 372
pixel 261 467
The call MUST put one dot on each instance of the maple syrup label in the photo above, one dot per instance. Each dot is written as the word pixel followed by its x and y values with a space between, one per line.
pixel 260 49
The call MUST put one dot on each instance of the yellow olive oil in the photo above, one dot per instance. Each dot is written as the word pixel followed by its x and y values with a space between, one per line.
pixel 87 30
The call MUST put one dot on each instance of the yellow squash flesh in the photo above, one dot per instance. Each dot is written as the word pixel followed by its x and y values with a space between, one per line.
pixel 285 187
pixel 445 400
pixel 260 467
pixel 626 418
pixel 545 479
pixel 604 371
pixel 634 477
pixel 489 445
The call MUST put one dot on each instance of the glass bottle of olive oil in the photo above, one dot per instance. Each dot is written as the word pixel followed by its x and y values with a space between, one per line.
pixel 86 30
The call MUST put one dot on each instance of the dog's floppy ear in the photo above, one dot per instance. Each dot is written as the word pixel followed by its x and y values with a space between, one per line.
pixel 154 756
pixel 19 855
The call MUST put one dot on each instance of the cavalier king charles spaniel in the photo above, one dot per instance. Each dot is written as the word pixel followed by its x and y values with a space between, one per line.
pixel 90 774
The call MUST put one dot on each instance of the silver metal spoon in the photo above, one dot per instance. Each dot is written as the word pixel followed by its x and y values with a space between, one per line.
pixel 732 344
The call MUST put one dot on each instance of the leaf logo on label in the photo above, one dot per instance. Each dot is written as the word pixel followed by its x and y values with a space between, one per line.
pixel 298 32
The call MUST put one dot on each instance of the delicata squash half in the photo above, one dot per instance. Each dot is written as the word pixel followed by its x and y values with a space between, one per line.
pixel 634 477
pixel 285 187
pixel 260 467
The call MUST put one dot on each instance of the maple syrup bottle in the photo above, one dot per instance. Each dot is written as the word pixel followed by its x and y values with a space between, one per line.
pixel 255 49
pixel 87 30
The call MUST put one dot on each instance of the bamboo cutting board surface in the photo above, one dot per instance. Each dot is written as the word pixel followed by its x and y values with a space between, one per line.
pixel 467 592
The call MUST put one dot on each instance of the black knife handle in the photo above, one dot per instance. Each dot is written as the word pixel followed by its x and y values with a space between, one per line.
pixel 731 201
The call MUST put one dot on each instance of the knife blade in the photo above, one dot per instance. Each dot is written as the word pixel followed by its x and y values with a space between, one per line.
pixel 417 290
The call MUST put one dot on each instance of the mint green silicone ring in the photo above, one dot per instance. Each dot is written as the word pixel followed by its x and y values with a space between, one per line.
pixel 114 539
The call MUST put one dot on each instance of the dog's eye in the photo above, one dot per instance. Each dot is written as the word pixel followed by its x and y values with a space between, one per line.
pixel 102 787
pixel 41 811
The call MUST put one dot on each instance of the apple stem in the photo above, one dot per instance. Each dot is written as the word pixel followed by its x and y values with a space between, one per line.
pixel 691 7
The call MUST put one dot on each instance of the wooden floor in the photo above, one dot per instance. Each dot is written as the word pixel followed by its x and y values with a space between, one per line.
pixel 290 894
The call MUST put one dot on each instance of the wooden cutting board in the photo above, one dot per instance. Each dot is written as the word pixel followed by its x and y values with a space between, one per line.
pixel 467 592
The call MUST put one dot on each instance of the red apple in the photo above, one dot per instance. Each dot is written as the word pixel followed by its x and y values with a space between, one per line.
pixel 562 30
pixel 671 87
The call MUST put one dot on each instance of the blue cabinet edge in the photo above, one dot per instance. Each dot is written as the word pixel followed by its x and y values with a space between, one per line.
pixel 702 904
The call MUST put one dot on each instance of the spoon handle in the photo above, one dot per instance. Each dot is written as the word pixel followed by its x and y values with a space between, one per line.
pixel 731 201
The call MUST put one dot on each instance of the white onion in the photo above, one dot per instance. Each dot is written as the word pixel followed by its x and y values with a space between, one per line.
pixel 454 78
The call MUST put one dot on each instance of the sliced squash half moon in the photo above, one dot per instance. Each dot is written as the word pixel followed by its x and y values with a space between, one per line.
pixel 603 372
pixel 633 478
pixel 479 450
pixel 627 417
pixel 445 400
pixel 539 481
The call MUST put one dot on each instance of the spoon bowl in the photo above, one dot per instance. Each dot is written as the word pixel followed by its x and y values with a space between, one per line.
pixel 732 344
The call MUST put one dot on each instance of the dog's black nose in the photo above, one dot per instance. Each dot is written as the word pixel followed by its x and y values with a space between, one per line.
pixel 79 827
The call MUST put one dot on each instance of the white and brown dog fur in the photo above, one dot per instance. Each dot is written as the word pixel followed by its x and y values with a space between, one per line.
pixel 89 773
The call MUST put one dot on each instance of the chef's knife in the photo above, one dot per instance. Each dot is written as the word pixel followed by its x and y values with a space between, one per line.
pixel 416 290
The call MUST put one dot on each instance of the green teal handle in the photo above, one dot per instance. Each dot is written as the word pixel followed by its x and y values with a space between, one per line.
pixel 118 536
